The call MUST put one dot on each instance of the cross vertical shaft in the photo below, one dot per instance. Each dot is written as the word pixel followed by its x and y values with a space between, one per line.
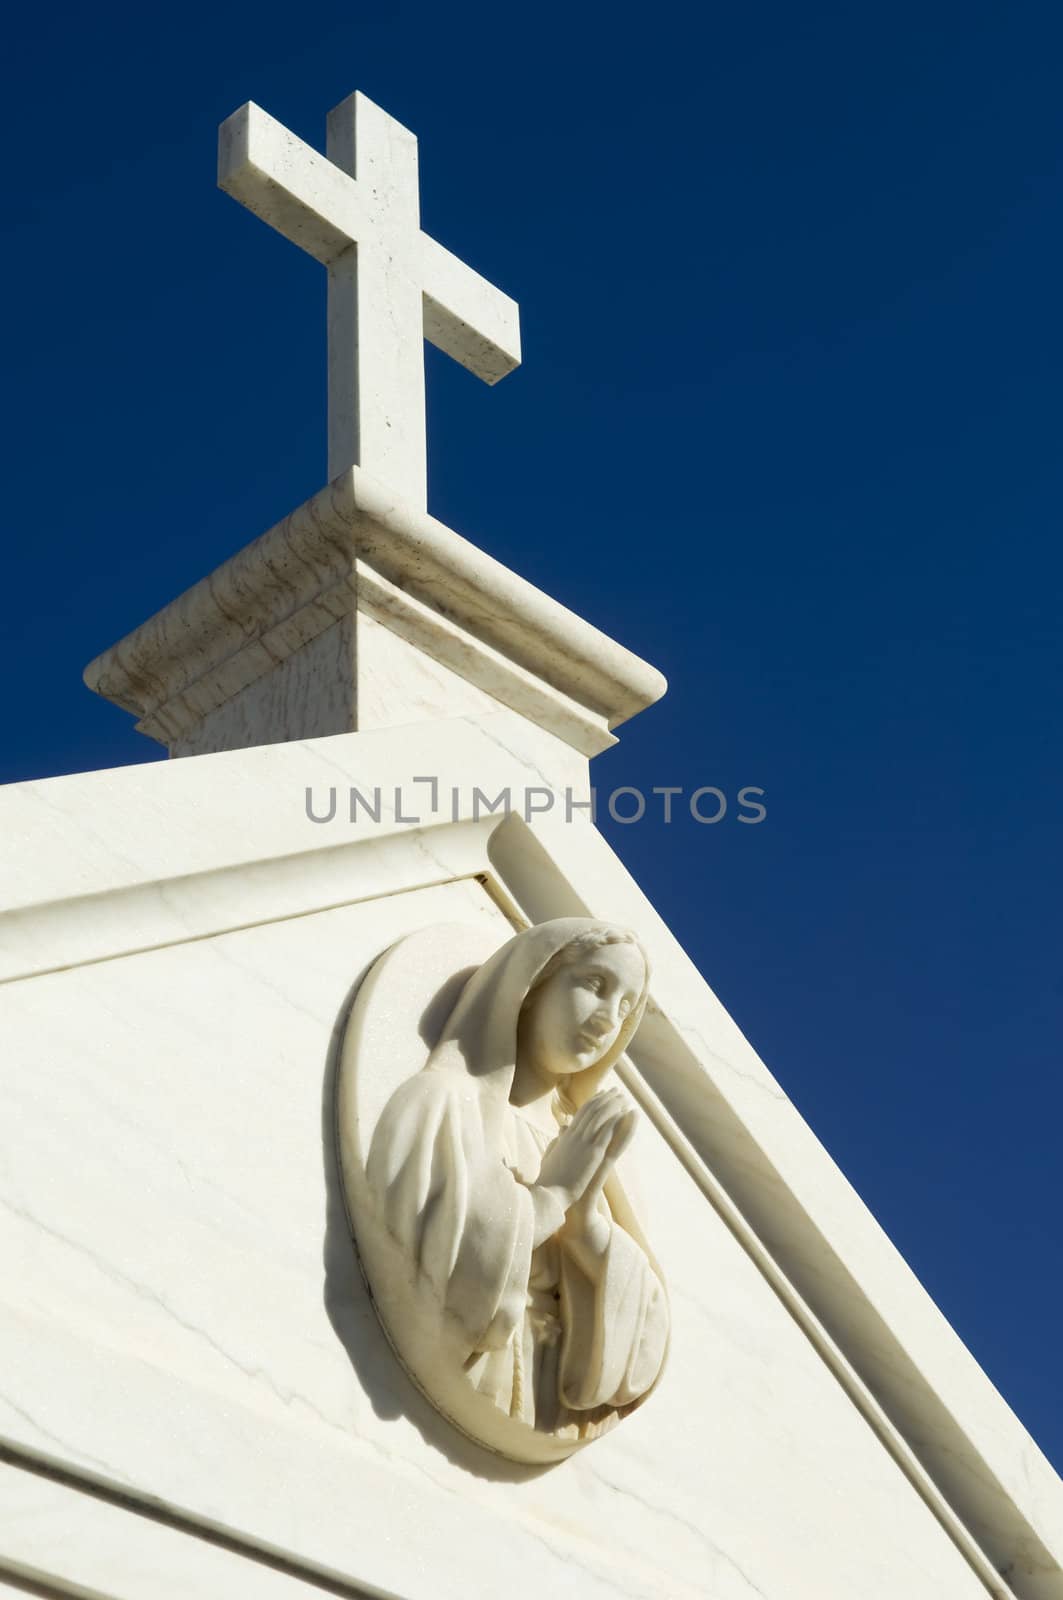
pixel 375 338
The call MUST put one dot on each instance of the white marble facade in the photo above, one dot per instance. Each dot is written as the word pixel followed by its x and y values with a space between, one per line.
pixel 183 1328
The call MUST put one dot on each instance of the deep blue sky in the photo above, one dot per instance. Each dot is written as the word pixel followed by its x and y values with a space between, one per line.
pixel 788 425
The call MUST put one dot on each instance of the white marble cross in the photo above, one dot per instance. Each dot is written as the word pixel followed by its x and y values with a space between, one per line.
pixel 389 285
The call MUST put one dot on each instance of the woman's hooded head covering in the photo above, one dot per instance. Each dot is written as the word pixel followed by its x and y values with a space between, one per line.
pixel 480 1036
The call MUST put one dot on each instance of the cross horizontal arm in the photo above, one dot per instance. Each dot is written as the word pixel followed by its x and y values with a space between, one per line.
pixel 288 184
pixel 466 317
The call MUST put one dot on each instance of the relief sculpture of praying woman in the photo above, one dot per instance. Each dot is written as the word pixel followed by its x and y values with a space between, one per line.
pixel 502 1252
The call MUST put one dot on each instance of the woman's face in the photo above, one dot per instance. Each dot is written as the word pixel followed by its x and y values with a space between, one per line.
pixel 574 1018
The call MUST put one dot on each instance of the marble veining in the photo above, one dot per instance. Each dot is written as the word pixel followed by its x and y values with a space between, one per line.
pixel 204 1324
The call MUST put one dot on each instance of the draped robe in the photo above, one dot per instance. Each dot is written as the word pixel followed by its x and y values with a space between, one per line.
pixel 452 1164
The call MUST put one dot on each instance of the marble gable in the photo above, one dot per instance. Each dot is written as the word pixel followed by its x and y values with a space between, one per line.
pixel 184 1332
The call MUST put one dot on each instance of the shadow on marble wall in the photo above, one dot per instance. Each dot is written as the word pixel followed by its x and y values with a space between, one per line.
pixel 385 1383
